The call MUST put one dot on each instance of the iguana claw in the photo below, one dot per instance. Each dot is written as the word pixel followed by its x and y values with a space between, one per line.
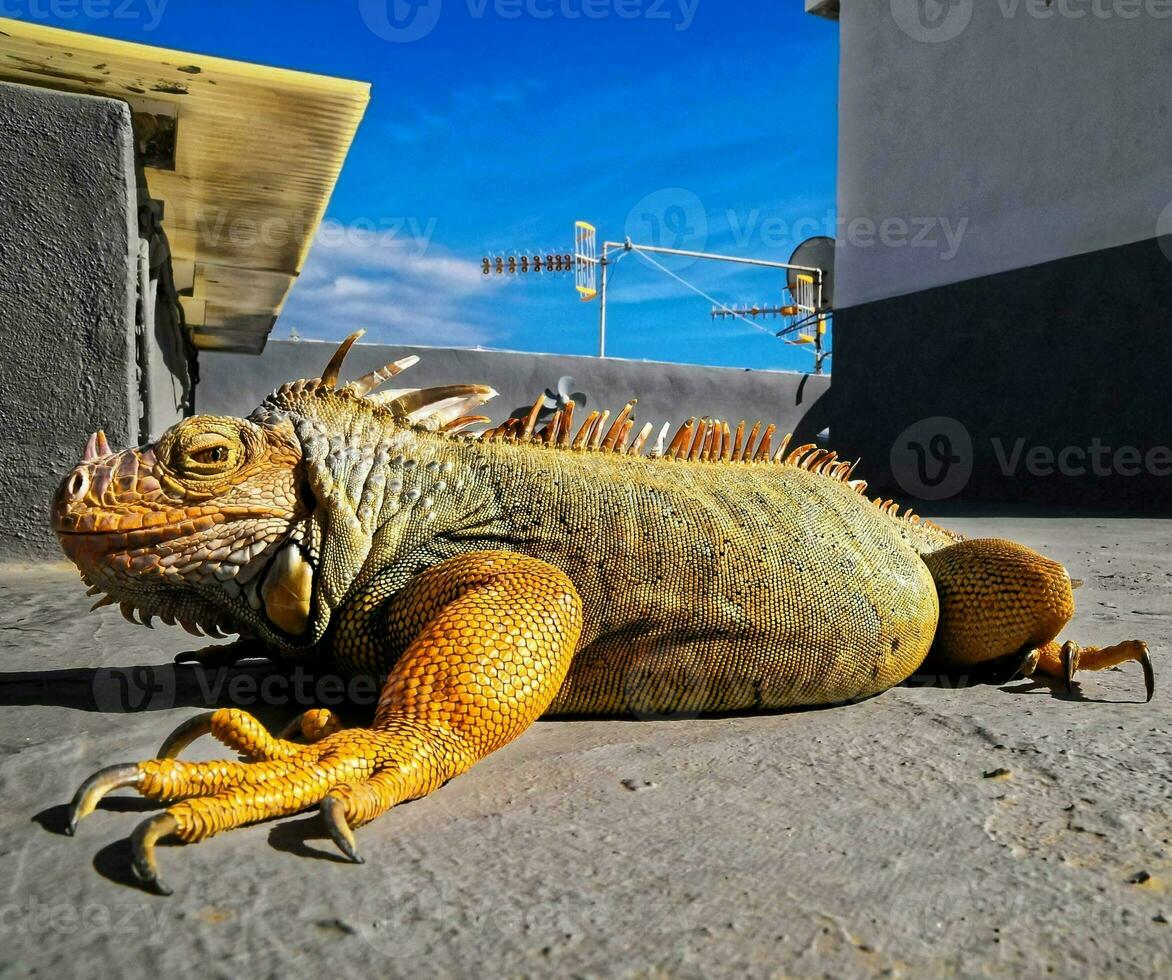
pixel 333 812
pixel 1069 664
pixel 1028 663
pixel 90 793
pixel 185 734
pixel 142 850
pixel 1145 661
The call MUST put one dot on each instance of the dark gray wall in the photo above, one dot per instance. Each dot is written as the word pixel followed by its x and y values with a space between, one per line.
pixel 67 296
pixel 1038 384
pixel 1047 129
pixel 233 384
pixel 169 386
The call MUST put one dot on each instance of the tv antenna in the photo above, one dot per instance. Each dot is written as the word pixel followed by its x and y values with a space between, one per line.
pixel 809 282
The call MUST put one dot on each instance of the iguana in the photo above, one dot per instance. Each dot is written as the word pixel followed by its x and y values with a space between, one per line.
pixel 493 578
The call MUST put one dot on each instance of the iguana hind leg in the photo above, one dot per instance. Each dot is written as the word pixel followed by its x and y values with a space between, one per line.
pixel 493 637
pixel 1002 601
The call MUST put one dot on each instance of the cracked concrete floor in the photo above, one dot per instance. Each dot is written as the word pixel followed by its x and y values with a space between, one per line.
pixel 872 839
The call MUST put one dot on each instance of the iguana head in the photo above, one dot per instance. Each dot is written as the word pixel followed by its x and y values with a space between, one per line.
pixel 253 526
pixel 188 529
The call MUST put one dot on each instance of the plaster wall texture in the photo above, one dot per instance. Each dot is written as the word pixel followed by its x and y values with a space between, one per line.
pixel 68 241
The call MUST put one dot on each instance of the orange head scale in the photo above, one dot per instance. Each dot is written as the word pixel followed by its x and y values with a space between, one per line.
pixel 254 526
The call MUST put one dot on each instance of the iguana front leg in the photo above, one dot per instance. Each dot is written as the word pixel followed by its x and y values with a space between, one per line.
pixel 494 634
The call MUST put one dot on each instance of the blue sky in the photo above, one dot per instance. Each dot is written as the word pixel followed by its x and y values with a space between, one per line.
pixel 705 124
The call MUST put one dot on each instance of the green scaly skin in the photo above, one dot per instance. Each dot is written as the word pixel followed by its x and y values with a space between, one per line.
pixel 705 586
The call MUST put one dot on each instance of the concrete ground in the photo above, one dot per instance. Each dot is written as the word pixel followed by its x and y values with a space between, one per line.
pixel 1011 830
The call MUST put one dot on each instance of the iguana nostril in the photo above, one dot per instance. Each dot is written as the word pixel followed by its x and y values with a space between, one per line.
pixel 77 485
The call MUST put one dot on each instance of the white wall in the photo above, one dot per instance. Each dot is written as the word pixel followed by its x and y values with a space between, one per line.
pixel 1026 133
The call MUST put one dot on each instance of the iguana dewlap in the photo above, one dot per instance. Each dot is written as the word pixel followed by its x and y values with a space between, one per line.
pixel 492 579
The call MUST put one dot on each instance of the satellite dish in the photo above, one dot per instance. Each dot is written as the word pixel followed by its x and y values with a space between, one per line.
pixel 818 253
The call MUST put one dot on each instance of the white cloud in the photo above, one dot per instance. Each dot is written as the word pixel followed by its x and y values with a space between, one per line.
pixel 399 289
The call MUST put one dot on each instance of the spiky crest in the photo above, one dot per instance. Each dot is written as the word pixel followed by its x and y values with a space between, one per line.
pixel 445 409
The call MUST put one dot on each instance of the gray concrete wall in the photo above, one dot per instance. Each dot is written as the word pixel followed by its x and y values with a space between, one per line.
pixel 1039 131
pixel 233 384
pixel 67 296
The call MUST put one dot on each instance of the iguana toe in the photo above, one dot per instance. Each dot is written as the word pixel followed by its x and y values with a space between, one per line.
pixel 1066 660
pixel 242 732
pixel 312 725
pixel 218 655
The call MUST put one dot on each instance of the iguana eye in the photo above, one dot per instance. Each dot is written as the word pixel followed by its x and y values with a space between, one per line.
pixel 214 454
pixel 207 454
